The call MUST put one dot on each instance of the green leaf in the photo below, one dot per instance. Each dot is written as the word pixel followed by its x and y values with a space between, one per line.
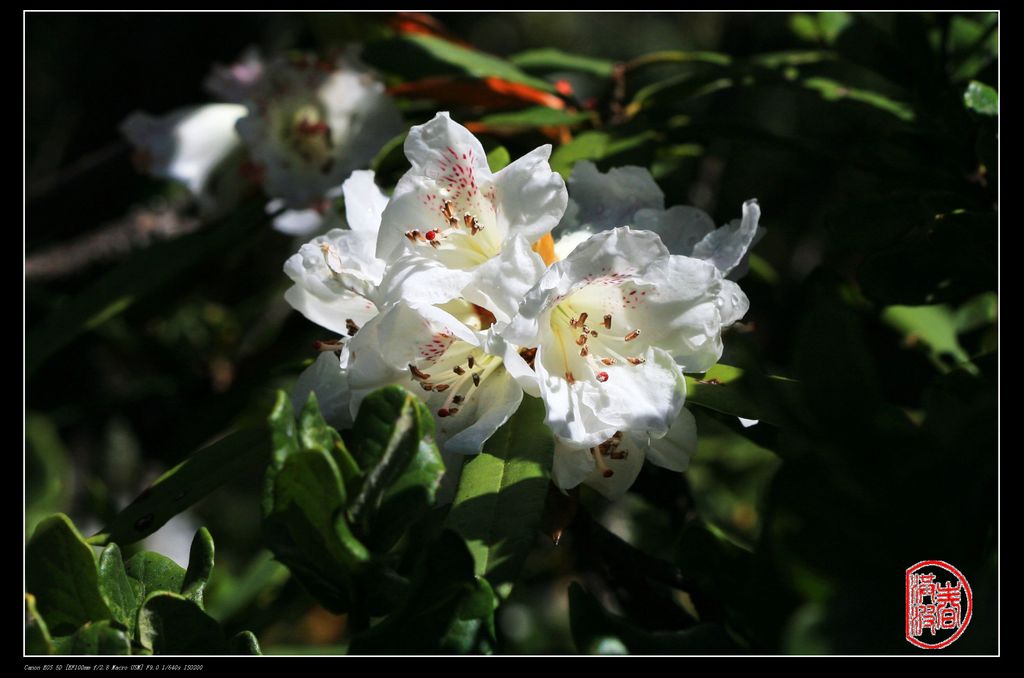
pixel 122 594
pixel 500 500
pixel 200 566
pixel 61 572
pixel 95 638
pixel 596 146
pixel 730 390
pixel 306 527
pixel 385 438
pixel 715 566
pixel 549 60
pixel 444 600
pixel 244 643
pixel 155 572
pixel 934 327
pixel 410 496
pixel 597 631
pixel 498 158
pixel 145 272
pixel 185 484
pixel 981 98
pixel 37 635
pixel 48 474
pixel 171 624
pixel 417 56
pixel 537 116
pixel 283 430
pixel 830 90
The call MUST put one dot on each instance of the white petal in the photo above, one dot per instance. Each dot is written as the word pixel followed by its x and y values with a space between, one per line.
pixel 675 449
pixel 364 202
pixel 532 197
pixel 680 227
pixel 492 405
pixel 299 222
pixel 732 303
pixel 726 246
pixel 416 280
pixel 624 470
pixel 331 313
pixel 326 377
pixel 500 283
pixel 612 199
pixel 514 363
pixel 187 144
pixel 568 241
pixel 441 141
pixel 571 465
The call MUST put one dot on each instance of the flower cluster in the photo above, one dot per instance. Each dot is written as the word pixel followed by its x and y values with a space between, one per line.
pixel 296 125
pixel 441 288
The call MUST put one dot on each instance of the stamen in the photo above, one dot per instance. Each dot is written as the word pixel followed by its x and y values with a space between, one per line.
pixel 602 377
pixel 608 321
pixel 476 379
pixel 417 373
pixel 632 335
pixel 458 370
pixel 582 339
pixel 471 361
pixel 603 467
pixel 446 210
pixel 351 327
pixel 441 387
pixel 457 399
pixel 636 361
pixel 584 352
pixel 570 378
pixel 453 222
pixel 431 234
pixel 426 386
pixel 583 319
pixel 593 333
pixel 443 412
pixel 453 410
pixel 608 361
pixel 413 236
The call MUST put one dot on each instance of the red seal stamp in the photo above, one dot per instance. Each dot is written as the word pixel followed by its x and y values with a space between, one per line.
pixel 939 604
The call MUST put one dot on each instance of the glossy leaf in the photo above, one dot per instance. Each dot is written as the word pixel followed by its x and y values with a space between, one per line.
pixel 981 98
pixel 500 499
pixel 95 638
pixel 61 572
pixel 547 60
pixel 730 390
pixel 171 624
pixel 122 594
pixel 184 485
pixel 498 158
pixel 200 567
pixel 155 572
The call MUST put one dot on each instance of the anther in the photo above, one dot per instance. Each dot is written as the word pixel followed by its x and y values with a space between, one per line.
pixel 471 361
pixel 584 352
pixel 446 210
pixel 602 377
pixel 583 319
pixel 458 370
pixel 603 467
pixel 476 379
pixel 582 339
pixel 593 333
pixel 608 361
pixel 441 387
pixel 570 378
pixel 636 361
pixel 632 335
pixel 457 399
pixel 608 321
pixel 426 386
pixel 351 327
pixel 417 373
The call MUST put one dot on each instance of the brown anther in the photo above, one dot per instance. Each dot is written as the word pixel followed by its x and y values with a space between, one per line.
pixel 608 321
pixel 476 379
pixel 599 458
pixel 453 410
pixel 453 222
pixel 528 354
pixel 570 378
pixel 441 387
pixel 418 373
pixel 446 210
pixel 583 319
pixel 435 243
pixel 458 370
pixel 413 236
pixel 584 352
pixel 351 327
pixel 426 386
pixel 471 361
pixel 593 333
pixel 457 399
pixel 608 361
pixel 632 335
pixel 582 339
pixel 636 361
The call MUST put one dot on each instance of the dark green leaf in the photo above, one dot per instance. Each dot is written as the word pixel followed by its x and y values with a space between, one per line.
pixel 185 484
pixel 244 643
pixel 48 473
pixel 830 90
pixel 597 631
pixel 417 56
pixel 61 572
pixel 596 146
pixel 171 624
pixel 122 594
pixel 501 495
pixel 549 60
pixel 283 430
pixel 408 497
pixel 200 566
pixel 142 274
pixel 981 98
pixel 730 390
pixel 37 636
pixel 538 116
pixel 155 572
pixel 95 638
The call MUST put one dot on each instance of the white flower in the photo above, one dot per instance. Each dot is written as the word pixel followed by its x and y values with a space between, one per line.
pixel 629 195
pixel 336 274
pixel 471 380
pixel 311 123
pixel 614 323
pixel 455 228
pixel 612 466
pixel 186 145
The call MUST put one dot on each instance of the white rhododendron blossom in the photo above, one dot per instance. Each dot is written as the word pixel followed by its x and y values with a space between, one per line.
pixel 630 196
pixel 454 228
pixel 471 379
pixel 336 275
pixel 439 289
pixel 301 126
pixel 614 324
